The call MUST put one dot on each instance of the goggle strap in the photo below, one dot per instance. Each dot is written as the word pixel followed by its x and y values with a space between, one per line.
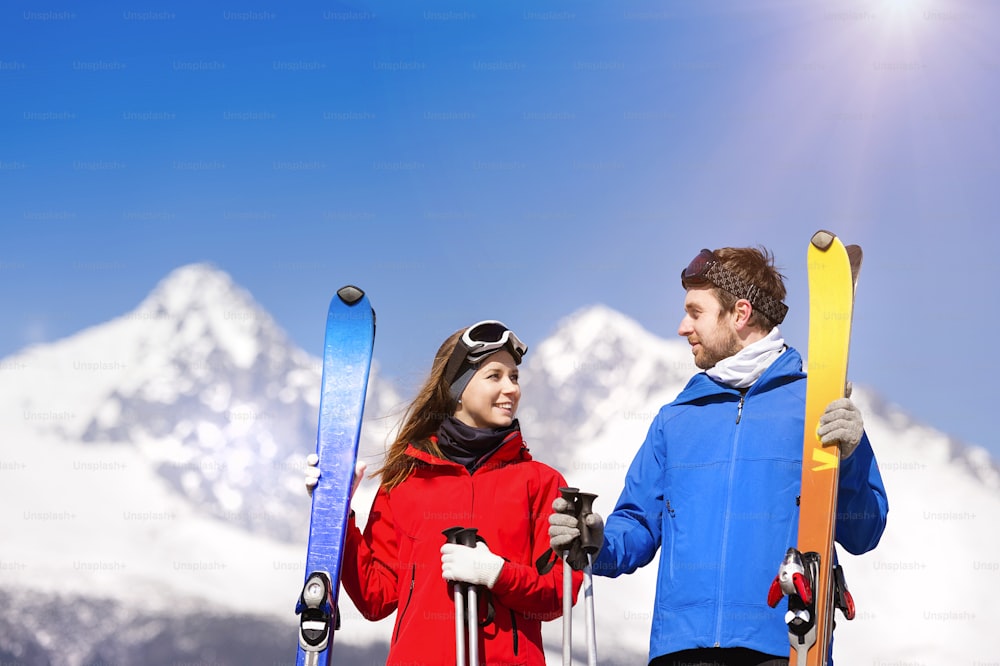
pixel 469 353
pixel 458 386
pixel 711 270
pixel 458 357
pixel 760 299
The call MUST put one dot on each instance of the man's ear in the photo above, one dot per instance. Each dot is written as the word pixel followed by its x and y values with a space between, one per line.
pixel 741 314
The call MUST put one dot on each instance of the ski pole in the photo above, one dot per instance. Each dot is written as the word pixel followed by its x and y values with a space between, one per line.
pixel 586 501
pixel 568 494
pixel 452 534
pixel 468 537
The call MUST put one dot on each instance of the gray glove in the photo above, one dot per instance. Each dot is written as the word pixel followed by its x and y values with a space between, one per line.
pixel 841 423
pixel 564 532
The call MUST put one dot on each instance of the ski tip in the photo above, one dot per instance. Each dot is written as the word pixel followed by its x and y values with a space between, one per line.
pixel 823 239
pixel 350 294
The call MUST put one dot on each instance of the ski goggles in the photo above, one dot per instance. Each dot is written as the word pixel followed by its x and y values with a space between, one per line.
pixel 477 342
pixel 706 268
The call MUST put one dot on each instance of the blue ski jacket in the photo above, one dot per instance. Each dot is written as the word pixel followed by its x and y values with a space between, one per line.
pixel 715 486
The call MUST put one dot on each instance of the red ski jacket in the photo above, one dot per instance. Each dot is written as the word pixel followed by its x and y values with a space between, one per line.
pixel 396 564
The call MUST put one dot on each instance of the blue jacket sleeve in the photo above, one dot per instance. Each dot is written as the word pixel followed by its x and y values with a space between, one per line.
pixel 862 506
pixel 632 531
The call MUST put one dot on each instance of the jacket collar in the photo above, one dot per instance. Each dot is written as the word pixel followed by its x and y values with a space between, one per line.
pixel 513 449
pixel 787 367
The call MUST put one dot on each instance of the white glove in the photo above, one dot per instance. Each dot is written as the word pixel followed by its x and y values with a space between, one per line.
pixel 476 565
pixel 313 473
pixel 841 423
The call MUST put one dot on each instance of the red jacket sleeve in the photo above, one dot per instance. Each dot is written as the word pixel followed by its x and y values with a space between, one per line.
pixel 368 571
pixel 519 585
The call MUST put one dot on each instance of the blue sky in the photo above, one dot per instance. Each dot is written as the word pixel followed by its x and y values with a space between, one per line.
pixel 510 160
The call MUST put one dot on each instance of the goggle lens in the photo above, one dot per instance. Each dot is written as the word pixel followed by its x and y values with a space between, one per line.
pixel 696 271
pixel 490 331
pixel 479 341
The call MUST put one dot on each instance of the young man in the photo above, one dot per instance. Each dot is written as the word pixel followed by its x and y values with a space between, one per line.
pixel 715 482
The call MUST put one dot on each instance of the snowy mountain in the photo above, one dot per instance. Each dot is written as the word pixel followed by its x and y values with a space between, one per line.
pixel 151 496
pixel 153 464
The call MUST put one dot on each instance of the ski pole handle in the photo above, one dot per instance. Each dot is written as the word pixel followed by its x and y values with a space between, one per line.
pixel 572 496
pixel 586 507
pixel 569 494
pixel 451 534
pixel 468 537
pixel 462 536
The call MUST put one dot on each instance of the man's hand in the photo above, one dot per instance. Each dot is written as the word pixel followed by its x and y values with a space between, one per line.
pixel 564 532
pixel 564 526
pixel 841 423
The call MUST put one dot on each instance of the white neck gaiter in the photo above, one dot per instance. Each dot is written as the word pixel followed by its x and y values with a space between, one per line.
pixel 744 367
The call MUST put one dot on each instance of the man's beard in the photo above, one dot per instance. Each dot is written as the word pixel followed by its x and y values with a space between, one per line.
pixel 709 356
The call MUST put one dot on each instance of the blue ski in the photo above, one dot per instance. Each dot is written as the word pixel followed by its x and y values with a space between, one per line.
pixel 347 355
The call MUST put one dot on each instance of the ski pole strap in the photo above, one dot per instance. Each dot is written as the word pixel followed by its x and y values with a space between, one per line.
pixel 547 560
pixel 576 559
pixel 490 609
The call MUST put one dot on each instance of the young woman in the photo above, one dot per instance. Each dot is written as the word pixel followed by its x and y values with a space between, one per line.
pixel 459 461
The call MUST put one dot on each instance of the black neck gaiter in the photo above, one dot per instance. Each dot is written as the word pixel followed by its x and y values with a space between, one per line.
pixel 469 446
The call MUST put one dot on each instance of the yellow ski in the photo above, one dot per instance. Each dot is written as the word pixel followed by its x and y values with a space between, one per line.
pixel 833 270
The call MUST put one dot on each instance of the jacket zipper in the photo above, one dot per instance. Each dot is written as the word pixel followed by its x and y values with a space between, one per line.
pixel 513 628
pixel 725 525
pixel 409 597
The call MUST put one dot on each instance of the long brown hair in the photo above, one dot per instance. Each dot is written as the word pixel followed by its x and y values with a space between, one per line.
pixel 422 419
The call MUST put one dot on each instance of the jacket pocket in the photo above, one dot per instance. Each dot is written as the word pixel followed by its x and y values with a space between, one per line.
pixel 513 631
pixel 669 535
pixel 409 598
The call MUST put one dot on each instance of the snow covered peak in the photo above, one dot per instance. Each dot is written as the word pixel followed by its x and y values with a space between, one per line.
pixel 598 316
pixel 598 369
pixel 589 325
pixel 203 308
pixel 598 338
pixel 195 286
pixel 201 381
